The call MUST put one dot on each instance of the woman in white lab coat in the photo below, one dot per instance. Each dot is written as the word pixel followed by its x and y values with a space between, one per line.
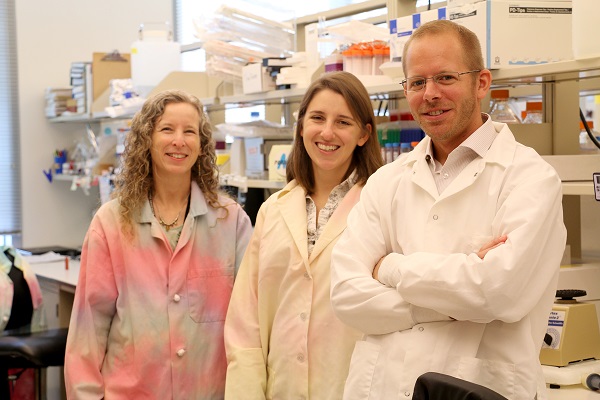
pixel 281 337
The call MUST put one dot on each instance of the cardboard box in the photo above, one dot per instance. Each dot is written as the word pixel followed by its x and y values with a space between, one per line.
pixel 511 32
pixel 256 79
pixel 237 160
pixel 257 155
pixel 401 29
pixel 452 3
pixel 278 157
pixel 516 33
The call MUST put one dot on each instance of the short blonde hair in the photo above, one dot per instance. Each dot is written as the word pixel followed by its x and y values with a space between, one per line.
pixel 468 40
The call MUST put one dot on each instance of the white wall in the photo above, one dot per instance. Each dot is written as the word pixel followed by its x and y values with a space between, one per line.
pixel 50 35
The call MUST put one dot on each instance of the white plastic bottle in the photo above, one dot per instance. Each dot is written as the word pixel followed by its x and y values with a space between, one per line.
pixel 533 113
pixel 586 145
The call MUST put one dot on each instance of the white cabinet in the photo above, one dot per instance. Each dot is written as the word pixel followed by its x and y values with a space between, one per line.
pixel 50 294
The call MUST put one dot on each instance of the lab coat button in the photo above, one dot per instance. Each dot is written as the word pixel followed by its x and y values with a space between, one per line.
pixel 303 316
pixel 446 175
pixel 306 275
pixel 176 298
pixel 421 329
pixel 435 217
pixel 180 352
pixel 300 357
pixel 5 318
pixel 407 394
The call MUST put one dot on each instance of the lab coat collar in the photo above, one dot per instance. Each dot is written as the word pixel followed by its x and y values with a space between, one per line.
pixel 293 198
pixel 421 175
pixel 290 200
pixel 337 222
pixel 496 154
pixel 198 206
pixel 501 152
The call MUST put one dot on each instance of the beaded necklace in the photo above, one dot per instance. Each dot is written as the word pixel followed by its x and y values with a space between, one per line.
pixel 160 220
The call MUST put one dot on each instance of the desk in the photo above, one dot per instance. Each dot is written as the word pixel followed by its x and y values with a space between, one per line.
pixel 569 377
pixel 572 392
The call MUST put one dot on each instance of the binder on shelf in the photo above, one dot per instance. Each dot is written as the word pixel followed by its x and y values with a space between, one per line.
pixel 107 66
pixel 80 78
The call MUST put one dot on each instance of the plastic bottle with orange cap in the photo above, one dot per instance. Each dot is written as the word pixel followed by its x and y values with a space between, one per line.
pixel 501 110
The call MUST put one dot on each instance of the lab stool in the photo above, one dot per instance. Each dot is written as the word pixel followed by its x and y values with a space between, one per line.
pixel 436 386
pixel 37 350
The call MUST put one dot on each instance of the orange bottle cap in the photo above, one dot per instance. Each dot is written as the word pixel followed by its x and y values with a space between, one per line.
pixel 499 94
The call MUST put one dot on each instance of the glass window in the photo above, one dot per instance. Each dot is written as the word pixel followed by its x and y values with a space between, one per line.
pixel 188 13
pixel 10 177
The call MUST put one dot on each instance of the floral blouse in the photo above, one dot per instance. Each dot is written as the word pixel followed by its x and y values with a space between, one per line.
pixel 316 224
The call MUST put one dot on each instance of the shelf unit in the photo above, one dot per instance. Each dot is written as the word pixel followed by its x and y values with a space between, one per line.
pixel 559 84
pixel 244 183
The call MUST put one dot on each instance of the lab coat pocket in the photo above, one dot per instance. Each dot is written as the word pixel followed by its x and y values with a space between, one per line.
pixel 359 384
pixel 209 291
pixel 496 375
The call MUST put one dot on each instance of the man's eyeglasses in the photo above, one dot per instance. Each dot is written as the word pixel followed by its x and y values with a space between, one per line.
pixel 417 83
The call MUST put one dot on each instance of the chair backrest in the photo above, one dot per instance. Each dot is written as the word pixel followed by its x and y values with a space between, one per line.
pixel 22 305
pixel 436 386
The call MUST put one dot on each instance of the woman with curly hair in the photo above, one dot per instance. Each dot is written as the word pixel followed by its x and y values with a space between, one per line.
pixel 157 266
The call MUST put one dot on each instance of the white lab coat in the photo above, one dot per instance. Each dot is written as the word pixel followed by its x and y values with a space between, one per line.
pixel 444 309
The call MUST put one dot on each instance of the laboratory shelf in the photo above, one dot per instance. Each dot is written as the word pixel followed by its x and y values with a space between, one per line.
pixel 244 183
pixel 578 188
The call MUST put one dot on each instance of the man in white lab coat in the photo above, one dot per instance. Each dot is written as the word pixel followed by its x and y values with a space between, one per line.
pixel 410 272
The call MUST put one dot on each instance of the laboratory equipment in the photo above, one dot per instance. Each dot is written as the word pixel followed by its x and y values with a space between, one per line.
pixel 573 334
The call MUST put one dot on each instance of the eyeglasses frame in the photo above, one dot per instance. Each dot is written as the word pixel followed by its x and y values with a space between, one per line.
pixel 404 81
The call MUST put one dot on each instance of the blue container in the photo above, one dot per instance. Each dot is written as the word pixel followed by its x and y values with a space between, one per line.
pixel 59 160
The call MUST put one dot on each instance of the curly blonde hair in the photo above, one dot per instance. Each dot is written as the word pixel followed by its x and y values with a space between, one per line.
pixel 135 180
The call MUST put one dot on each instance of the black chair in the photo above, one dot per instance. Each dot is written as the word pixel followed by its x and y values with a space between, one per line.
pixel 37 350
pixel 20 348
pixel 436 386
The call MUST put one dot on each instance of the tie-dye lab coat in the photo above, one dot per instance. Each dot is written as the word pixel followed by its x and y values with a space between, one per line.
pixel 147 321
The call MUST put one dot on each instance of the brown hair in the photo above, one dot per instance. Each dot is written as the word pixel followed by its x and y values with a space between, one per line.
pixel 135 181
pixel 366 159
pixel 468 40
